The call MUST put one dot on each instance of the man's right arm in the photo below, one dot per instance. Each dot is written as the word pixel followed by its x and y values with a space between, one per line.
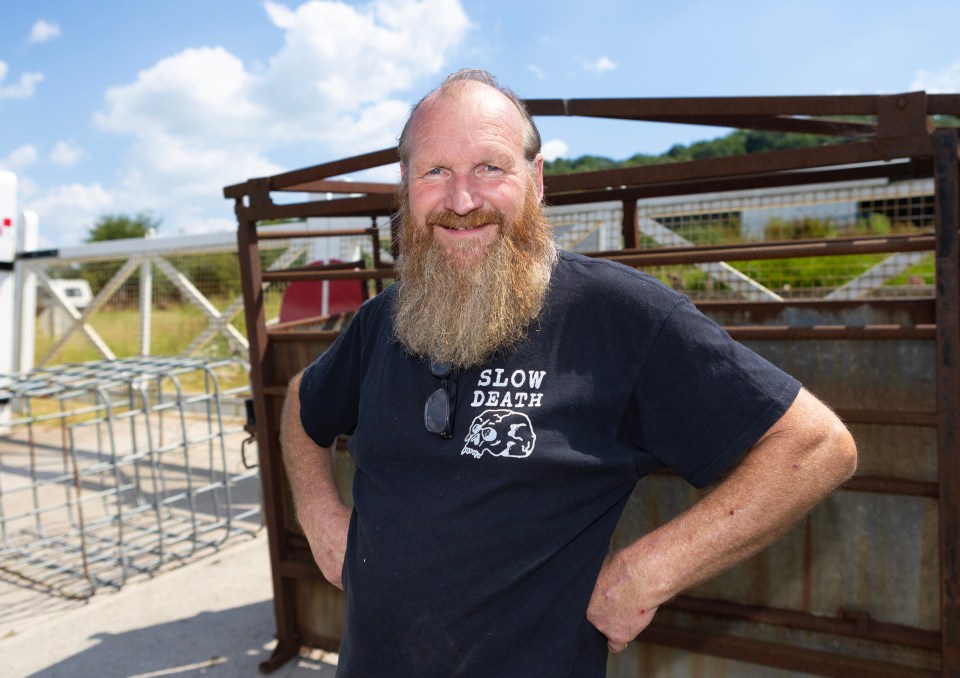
pixel 322 514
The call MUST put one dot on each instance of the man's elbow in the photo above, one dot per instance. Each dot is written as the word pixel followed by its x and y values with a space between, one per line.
pixel 840 459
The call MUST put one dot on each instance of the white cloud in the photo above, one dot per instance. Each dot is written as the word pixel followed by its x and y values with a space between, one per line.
pixel 202 119
pixel 537 71
pixel 555 148
pixel 174 166
pixel 67 212
pixel 43 31
pixel 338 59
pixel 23 88
pixel 340 67
pixel 66 154
pixel 198 93
pixel 601 65
pixel 19 158
pixel 196 222
pixel 946 80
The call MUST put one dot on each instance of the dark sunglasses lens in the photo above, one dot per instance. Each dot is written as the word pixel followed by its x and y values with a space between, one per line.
pixel 440 370
pixel 436 412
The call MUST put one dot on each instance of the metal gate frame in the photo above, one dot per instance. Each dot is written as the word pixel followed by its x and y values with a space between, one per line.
pixel 902 143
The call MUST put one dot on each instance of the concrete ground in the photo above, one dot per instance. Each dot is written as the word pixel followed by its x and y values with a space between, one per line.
pixel 204 608
pixel 212 617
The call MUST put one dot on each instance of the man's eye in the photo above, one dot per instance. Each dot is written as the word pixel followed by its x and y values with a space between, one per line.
pixel 434 171
pixel 491 168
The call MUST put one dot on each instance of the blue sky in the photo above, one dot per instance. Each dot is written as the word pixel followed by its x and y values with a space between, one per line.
pixel 125 106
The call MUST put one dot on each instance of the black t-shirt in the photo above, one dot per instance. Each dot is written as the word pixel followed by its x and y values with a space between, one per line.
pixel 476 556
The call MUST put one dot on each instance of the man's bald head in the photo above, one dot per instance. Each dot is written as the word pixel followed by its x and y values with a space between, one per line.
pixel 453 86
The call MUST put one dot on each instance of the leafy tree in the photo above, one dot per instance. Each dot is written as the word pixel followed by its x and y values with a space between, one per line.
pixel 119 226
pixel 116 227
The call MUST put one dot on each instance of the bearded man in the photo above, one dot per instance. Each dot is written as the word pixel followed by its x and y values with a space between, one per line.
pixel 503 400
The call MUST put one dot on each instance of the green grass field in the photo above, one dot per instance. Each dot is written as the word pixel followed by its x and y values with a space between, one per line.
pixel 173 329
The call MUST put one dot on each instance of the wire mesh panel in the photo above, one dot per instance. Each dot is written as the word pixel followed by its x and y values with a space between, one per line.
pixel 791 215
pixel 113 469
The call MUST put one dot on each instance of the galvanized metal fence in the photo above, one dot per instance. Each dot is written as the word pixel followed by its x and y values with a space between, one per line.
pixel 114 469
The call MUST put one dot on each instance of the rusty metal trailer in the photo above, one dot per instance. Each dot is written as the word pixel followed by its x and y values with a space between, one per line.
pixel 870 581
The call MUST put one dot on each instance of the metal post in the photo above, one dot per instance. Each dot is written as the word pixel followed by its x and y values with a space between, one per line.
pixel 146 304
pixel 630 238
pixel 267 434
pixel 25 308
pixel 947 187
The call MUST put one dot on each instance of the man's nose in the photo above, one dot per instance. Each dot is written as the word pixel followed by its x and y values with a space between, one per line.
pixel 463 196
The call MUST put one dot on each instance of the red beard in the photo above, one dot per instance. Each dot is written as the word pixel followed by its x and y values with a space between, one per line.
pixel 464 309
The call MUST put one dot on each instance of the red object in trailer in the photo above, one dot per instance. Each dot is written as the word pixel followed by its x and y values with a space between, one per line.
pixel 316 298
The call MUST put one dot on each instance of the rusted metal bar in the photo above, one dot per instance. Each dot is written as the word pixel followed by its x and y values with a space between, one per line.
pixel 947 217
pixel 299 569
pixel 899 486
pixel 891 417
pixel 920 311
pixel 784 250
pixel 320 274
pixel 878 243
pixel 281 328
pixel 271 469
pixel 774 123
pixel 341 186
pixel 943 104
pixel 755 163
pixel 852 625
pixel 304 335
pixel 350 266
pixel 371 205
pixel 873 484
pixel 731 107
pixel 830 332
pixel 738 332
pixel 855 244
pixel 903 115
pixel 629 225
pixel 713 106
pixel 310 233
pixel 777 655
pixel 336 168
pixel 855 130
pixel 375 252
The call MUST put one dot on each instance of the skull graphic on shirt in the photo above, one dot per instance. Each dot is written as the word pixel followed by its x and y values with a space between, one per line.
pixel 501 433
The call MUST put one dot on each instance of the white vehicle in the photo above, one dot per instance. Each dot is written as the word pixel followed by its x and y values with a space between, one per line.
pixel 76 290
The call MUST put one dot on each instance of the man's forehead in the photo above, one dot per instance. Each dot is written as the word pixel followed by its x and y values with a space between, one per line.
pixel 468 103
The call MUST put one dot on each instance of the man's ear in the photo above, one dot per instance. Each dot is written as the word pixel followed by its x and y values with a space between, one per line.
pixel 538 174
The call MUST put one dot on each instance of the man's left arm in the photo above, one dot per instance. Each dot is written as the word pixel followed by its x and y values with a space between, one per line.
pixel 803 457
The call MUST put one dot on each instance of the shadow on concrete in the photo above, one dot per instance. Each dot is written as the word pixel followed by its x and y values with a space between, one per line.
pixel 229 642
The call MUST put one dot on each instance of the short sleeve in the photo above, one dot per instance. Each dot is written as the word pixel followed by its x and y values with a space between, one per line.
pixel 702 399
pixel 330 388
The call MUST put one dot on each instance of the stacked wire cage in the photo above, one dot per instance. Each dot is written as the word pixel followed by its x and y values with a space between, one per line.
pixel 115 469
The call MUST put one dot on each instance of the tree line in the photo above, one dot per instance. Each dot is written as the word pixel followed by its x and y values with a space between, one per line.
pixel 738 142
